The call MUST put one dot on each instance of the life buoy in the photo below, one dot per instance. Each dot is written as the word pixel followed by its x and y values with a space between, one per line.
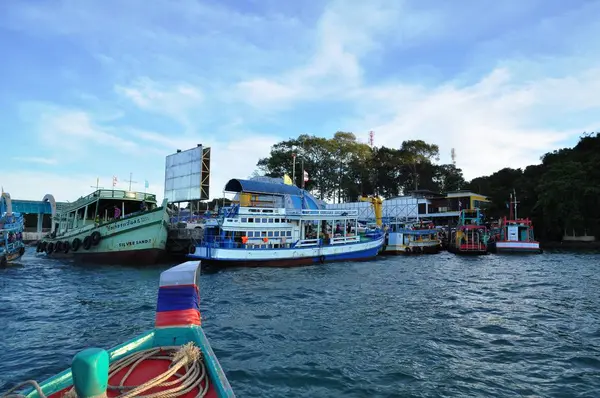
pixel 192 249
pixel 58 246
pixel 50 248
pixel 96 237
pixel 87 242
pixel 66 246
pixel 75 245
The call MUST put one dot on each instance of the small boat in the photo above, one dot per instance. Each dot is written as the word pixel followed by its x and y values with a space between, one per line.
pixel 515 235
pixel 276 224
pixel 412 238
pixel 110 227
pixel 471 236
pixel 174 359
pixel 12 226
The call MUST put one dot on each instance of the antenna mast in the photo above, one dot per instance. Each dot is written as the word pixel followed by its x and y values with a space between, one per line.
pixel 453 156
pixel 130 181
pixel 371 138
pixel 97 184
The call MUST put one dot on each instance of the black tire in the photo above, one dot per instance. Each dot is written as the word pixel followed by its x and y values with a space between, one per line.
pixel 76 244
pixel 58 246
pixel 87 242
pixel 407 250
pixel 96 237
pixel 3 261
pixel 22 251
pixel 38 247
pixel 66 246
pixel 44 246
pixel 192 249
pixel 50 248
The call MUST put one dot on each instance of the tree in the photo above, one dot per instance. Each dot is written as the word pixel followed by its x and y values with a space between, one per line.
pixel 417 152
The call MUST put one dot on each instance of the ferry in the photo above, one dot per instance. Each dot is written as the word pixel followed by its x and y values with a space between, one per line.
pixel 12 247
pixel 276 224
pixel 471 235
pixel 173 359
pixel 110 227
pixel 515 235
pixel 419 237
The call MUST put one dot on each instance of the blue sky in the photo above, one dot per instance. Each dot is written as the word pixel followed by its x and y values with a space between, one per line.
pixel 96 89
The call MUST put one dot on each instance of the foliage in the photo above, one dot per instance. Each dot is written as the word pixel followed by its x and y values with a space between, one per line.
pixel 562 194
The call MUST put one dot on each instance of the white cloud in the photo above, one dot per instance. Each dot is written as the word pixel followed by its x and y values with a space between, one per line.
pixel 174 100
pixel 33 159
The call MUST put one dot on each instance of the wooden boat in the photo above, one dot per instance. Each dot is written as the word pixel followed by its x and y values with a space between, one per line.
pixel 515 235
pixel 110 227
pixel 172 360
pixel 471 235
pixel 412 238
pixel 279 225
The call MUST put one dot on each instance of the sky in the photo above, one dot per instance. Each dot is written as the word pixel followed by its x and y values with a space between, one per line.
pixel 95 89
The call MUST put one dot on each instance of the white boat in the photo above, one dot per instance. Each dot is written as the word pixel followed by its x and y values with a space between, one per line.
pixel 412 238
pixel 274 224
pixel 110 227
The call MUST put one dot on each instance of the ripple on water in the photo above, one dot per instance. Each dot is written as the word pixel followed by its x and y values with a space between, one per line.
pixel 400 326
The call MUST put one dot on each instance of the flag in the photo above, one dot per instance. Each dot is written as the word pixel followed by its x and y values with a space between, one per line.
pixel 147 184
pixel 114 181
pixel 287 180
pixel 305 176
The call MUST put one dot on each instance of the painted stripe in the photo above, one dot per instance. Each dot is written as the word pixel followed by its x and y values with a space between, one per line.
pixel 177 318
pixel 176 298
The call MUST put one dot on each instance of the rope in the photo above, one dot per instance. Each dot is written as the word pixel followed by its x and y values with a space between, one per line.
pixel 187 357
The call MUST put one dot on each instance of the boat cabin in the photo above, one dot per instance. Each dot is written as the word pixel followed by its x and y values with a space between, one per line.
pixel 268 215
pixel 516 230
pixel 103 206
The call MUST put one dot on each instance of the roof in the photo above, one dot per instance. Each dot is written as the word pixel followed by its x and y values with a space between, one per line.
pixel 237 185
pixel 426 193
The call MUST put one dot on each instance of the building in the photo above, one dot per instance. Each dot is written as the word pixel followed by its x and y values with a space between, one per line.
pixel 36 213
pixel 399 208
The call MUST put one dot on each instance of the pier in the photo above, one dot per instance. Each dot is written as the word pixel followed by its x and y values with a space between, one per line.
pixel 37 214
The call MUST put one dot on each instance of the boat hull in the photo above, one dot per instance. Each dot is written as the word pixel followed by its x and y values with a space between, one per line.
pixel 291 257
pixel 468 251
pixel 140 239
pixel 412 249
pixel 515 247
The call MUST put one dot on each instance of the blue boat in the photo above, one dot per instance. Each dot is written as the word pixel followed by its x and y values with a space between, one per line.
pixel 275 224
pixel 12 226
pixel 174 359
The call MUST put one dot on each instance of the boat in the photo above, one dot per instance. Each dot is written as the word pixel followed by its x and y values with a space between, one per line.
pixel 12 247
pixel 173 359
pixel 419 237
pixel 471 236
pixel 110 227
pixel 277 224
pixel 514 235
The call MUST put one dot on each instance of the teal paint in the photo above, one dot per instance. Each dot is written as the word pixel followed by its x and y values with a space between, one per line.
pixel 90 372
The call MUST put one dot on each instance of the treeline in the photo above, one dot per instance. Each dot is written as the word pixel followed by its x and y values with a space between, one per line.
pixel 562 194
pixel 341 168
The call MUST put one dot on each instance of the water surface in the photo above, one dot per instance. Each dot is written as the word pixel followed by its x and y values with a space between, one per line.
pixel 432 326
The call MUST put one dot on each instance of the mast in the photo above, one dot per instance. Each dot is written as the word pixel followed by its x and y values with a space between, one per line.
pixel 515 196
pixel 510 207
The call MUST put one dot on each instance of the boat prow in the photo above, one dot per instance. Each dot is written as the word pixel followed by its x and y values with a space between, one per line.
pixel 174 359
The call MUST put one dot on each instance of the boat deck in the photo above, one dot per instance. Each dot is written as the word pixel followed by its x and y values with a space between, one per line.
pixel 143 372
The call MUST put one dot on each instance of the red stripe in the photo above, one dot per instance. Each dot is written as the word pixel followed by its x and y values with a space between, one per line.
pixel 178 318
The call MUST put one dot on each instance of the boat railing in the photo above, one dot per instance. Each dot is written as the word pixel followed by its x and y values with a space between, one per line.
pixel 113 194
pixel 322 212
pixel 345 239
pixel 307 242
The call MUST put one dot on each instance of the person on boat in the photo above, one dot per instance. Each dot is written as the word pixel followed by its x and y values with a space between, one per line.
pixel 117 213
pixel 143 206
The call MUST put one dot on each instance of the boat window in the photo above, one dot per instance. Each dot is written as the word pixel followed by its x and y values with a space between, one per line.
pixel 270 234
pixel 251 220
pixel 276 220
pixel 264 233
pixel 244 220
pixel 250 234
pixel 276 233
pixel 270 220
pixel 264 220
pixel 289 233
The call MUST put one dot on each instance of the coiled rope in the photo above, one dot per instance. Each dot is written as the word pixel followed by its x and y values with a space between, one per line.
pixel 188 357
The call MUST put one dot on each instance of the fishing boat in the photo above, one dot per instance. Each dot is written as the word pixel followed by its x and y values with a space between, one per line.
pixel 174 359
pixel 110 227
pixel 515 235
pixel 276 224
pixel 419 237
pixel 471 236
pixel 12 226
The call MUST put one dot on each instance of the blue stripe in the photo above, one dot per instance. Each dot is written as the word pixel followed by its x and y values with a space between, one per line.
pixel 173 298
pixel 367 253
